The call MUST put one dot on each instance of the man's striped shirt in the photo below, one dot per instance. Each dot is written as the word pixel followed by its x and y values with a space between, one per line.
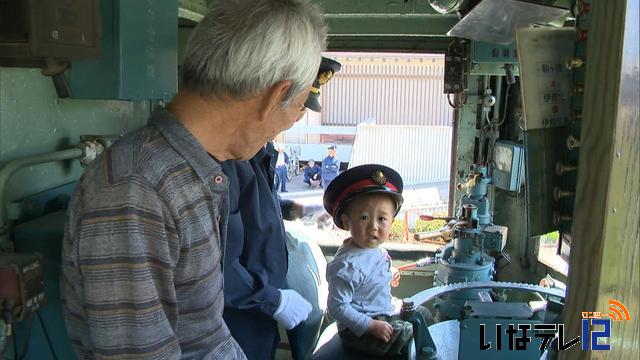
pixel 143 248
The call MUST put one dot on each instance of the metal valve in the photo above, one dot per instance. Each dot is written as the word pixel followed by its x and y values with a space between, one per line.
pixel 488 100
pixel 429 217
pixel 470 182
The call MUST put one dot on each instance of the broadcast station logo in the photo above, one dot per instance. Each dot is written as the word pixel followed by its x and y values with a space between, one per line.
pixel 618 312
pixel 520 335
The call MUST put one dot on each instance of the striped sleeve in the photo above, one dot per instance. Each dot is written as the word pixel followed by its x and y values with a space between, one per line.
pixel 118 273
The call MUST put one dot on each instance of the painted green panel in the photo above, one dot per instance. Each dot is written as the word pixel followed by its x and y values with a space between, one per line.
pixel 139 58
pixel 366 25
pixel 183 38
pixel 33 120
pixel 544 148
pixel 466 134
pixel 398 44
pixel 375 6
pixel 44 235
pixel 389 25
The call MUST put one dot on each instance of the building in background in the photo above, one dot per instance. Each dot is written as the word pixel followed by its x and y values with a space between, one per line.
pixel 397 90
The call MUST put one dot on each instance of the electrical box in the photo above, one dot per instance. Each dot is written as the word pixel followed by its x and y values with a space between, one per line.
pixel 139 58
pixel 454 60
pixel 508 169
pixel 34 30
pixel 21 285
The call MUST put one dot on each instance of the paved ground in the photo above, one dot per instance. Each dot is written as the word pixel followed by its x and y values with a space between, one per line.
pixel 297 185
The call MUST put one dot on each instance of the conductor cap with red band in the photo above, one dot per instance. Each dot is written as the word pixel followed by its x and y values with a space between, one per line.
pixel 361 180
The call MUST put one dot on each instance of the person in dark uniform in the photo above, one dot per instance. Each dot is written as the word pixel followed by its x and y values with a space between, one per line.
pixel 256 299
pixel 256 259
pixel 312 174
pixel 330 166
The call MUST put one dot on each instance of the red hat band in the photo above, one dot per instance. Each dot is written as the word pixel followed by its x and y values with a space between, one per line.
pixel 362 184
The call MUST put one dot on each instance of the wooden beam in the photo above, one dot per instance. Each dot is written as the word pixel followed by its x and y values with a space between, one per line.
pixel 604 260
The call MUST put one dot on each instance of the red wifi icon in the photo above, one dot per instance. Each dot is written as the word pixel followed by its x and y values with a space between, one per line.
pixel 618 312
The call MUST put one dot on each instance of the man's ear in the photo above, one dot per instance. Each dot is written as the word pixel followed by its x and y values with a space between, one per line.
pixel 273 97
pixel 344 218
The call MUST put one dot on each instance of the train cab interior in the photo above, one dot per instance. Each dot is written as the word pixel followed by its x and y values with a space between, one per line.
pixel 541 224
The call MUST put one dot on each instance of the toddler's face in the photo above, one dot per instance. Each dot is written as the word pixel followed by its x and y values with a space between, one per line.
pixel 369 219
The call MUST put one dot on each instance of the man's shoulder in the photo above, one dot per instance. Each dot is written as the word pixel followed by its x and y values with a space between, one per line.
pixel 141 154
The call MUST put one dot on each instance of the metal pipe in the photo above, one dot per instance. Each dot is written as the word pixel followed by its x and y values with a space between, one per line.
pixel 12 166
pixel 498 95
pixel 486 79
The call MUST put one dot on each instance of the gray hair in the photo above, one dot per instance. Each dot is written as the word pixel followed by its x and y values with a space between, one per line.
pixel 242 47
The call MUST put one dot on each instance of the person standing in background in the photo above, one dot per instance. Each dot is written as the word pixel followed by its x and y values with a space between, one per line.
pixel 282 168
pixel 330 167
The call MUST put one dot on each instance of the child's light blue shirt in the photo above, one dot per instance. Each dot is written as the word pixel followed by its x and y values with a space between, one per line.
pixel 359 287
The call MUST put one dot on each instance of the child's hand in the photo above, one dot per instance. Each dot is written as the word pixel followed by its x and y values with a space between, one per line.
pixel 381 330
pixel 395 277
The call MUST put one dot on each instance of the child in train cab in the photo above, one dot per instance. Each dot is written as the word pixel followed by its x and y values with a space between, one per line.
pixel 365 200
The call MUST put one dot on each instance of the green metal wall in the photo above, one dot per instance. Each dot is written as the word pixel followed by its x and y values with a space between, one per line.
pixel 33 120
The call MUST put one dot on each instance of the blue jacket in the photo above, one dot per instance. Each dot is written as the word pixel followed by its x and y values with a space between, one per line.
pixel 255 256
pixel 330 168
pixel 310 171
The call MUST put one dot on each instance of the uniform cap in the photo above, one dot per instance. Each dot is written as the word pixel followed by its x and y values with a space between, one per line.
pixel 328 67
pixel 363 179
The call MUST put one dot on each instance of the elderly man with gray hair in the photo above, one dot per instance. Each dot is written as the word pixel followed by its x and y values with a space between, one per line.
pixel 146 229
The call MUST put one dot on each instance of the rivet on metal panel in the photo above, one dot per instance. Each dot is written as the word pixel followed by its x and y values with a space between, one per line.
pixel 558 217
pixel 574 63
pixel 559 193
pixel 562 169
pixel 572 142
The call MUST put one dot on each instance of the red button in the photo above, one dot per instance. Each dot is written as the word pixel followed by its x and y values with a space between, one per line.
pixel 218 179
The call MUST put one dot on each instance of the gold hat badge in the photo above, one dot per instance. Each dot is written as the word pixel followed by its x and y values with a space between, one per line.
pixel 378 178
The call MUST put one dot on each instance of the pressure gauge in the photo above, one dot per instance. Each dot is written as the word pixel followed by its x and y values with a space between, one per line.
pixel 503 158
pixel 508 165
